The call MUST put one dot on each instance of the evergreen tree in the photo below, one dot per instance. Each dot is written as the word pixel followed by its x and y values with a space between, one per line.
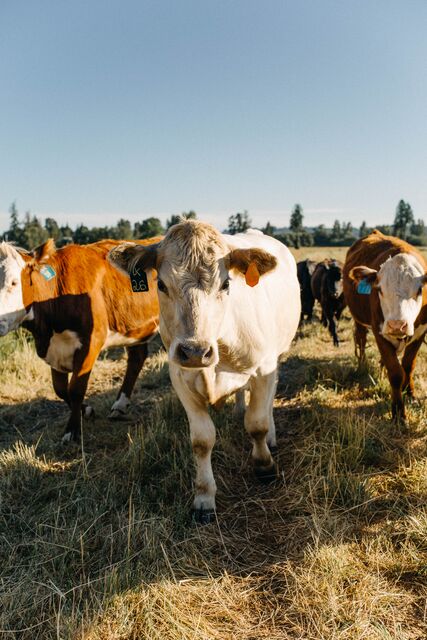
pixel 296 220
pixel 403 218
pixel 336 231
pixel 14 234
pixel 52 228
pixel 33 232
pixel 269 229
pixel 239 222
pixel 363 230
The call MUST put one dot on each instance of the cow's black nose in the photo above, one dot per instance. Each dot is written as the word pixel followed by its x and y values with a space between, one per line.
pixel 194 354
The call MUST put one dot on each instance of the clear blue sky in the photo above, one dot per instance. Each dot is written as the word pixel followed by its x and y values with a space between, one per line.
pixel 132 108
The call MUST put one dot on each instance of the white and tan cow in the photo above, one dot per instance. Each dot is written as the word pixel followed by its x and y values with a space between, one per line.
pixel 384 280
pixel 229 308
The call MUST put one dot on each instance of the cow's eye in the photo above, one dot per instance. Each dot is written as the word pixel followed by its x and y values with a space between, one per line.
pixel 161 286
pixel 225 285
pixel 14 283
pixel 419 292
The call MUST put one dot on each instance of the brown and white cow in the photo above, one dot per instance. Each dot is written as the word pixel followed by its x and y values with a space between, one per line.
pixel 384 281
pixel 75 304
pixel 229 308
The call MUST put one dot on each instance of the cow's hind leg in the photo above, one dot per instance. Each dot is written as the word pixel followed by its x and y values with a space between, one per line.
pixel 260 426
pixel 202 434
pixel 239 405
pixel 136 358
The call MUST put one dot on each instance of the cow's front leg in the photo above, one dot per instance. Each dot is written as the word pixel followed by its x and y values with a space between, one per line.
pixel 260 426
pixel 60 386
pixel 395 375
pixel 408 364
pixel 202 434
pixel 332 327
pixel 360 335
pixel 76 393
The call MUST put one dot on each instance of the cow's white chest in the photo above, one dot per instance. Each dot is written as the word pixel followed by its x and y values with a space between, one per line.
pixel 62 347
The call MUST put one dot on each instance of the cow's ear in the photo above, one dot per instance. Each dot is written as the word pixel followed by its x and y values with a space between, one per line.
pixel 128 255
pixel 363 273
pixel 253 263
pixel 43 252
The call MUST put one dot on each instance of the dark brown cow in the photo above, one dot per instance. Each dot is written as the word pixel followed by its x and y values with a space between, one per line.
pixel 75 304
pixel 384 287
pixel 327 288
pixel 305 269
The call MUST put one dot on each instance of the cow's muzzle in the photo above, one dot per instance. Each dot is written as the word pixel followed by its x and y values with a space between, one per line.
pixel 397 329
pixel 194 355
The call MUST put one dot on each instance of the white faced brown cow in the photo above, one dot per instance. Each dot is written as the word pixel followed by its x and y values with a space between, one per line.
pixel 384 281
pixel 229 308
pixel 75 304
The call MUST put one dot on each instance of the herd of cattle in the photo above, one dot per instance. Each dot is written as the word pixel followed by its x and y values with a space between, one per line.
pixel 227 308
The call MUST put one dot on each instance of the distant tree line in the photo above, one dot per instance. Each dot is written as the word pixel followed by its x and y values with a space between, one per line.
pixel 30 231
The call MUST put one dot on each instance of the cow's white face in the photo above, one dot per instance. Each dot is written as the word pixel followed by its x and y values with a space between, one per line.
pixel 193 307
pixel 399 283
pixel 12 310
pixel 193 263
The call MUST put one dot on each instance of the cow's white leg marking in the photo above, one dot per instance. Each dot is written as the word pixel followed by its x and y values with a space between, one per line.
pixel 259 421
pixel 120 406
pixel 202 434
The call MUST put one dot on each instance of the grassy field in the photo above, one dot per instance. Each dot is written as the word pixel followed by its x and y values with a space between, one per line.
pixel 97 543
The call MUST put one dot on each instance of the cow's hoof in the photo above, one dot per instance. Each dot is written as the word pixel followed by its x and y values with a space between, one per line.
pixel 66 437
pixel 117 414
pixel 88 412
pixel 203 516
pixel 265 474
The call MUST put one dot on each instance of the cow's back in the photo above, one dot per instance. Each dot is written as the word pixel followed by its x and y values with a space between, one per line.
pixel 87 294
pixel 371 251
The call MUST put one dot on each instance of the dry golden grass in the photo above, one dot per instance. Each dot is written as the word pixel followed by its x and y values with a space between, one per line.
pixel 339 253
pixel 96 541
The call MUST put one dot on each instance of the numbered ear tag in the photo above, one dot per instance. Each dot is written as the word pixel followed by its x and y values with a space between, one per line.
pixel 364 287
pixel 47 272
pixel 252 275
pixel 138 280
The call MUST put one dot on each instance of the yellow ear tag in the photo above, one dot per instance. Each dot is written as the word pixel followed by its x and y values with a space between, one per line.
pixel 252 275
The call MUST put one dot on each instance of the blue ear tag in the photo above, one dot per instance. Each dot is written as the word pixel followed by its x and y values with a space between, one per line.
pixel 48 272
pixel 364 287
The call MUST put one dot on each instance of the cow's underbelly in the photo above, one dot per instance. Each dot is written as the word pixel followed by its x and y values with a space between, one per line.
pixel 61 350
pixel 115 339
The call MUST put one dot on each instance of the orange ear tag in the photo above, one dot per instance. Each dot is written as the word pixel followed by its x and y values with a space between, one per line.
pixel 252 275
